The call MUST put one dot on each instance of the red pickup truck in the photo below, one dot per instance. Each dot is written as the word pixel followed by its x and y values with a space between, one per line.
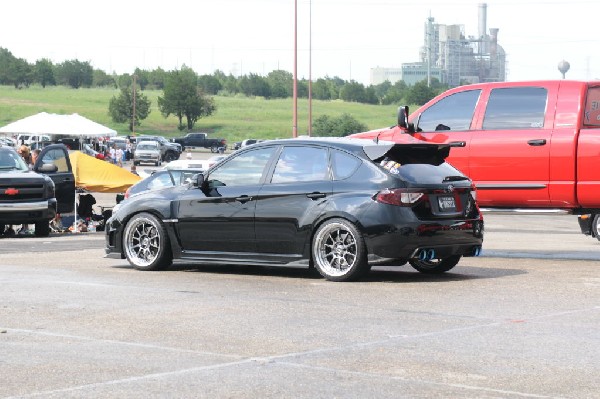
pixel 532 144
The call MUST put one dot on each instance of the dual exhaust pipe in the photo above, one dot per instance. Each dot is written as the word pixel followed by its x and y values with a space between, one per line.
pixel 428 254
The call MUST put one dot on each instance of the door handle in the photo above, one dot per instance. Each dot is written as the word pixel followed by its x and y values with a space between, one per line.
pixel 537 143
pixel 315 196
pixel 243 199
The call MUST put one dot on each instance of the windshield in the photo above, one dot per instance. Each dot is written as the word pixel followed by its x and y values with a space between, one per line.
pixel 146 147
pixel 10 160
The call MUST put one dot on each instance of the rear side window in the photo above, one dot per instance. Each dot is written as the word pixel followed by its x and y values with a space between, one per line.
pixel 592 107
pixel 454 112
pixel 297 164
pixel 343 164
pixel 516 108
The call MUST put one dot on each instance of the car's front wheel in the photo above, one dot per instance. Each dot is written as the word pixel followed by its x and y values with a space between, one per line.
pixel 146 243
pixel 338 251
pixel 435 266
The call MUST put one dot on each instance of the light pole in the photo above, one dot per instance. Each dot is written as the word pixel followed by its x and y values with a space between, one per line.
pixel 310 67
pixel 133 113
pixel 295 94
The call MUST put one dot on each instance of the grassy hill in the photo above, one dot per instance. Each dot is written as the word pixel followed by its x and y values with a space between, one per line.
pixel 236 117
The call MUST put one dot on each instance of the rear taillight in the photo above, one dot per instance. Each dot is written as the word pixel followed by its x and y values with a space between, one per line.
pixel 399 197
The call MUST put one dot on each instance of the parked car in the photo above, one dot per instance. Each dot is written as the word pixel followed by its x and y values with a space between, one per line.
pixel 169 151
pixel 29 139
pixel 7 141
pixel 336 203
pixel 161 179
pixel 147 151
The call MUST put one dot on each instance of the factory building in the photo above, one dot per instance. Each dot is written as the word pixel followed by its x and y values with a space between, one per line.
pixel 452 57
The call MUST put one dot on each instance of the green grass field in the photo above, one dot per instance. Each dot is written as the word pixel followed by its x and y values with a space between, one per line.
pixel 236 118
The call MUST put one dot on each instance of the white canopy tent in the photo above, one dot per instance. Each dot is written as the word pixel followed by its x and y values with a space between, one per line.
pixel 73 125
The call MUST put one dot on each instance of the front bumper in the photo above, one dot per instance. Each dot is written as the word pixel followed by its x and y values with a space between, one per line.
pixel 27 212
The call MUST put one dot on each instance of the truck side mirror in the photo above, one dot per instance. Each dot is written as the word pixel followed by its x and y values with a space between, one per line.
pixel 403 116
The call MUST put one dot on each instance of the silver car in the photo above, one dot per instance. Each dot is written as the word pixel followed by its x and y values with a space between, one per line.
pixel 147 151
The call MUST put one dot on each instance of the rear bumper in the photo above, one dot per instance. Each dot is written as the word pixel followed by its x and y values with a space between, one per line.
pixel 463 238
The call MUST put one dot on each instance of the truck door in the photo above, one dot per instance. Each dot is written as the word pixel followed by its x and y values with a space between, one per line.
pixel 510 151
pixel 64 180
pixel 448 119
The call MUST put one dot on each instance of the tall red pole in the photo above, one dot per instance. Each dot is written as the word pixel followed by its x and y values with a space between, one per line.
pixel 295 95
pixel 310 68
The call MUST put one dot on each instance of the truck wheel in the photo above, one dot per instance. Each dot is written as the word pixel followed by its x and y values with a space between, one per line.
pixel 214 149
pixel 42 228
pixel 170 156
pixel 596 227
pixel 435 266
pixel 146 243
pixel 338 251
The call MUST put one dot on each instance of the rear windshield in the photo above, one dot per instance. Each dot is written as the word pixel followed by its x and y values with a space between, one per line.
pixel 592 107
pixel 423 173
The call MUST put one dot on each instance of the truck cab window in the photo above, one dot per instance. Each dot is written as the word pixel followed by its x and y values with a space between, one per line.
pixel 516 108
pixel 454 112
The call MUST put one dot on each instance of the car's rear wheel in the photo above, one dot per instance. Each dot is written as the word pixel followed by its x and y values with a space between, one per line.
pixel 214 149
pixel 42 228
pixel 338 251
pixel 435 266
pixel 146 243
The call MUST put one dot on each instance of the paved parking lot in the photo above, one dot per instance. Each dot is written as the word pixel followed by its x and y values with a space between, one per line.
pixel 521 321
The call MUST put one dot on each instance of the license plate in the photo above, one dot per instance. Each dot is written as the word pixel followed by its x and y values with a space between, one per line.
pixel 446 203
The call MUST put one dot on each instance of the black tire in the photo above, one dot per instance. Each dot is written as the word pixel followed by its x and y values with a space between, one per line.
pixel 214 149
pixel 596 227
pixel 2 227
pixel 435 266
pixel 136 163
pixel 146 243
pixel 42 228
pixel 170 156
pixel 338 251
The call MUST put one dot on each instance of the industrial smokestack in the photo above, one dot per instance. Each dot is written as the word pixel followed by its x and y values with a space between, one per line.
pixel 482 20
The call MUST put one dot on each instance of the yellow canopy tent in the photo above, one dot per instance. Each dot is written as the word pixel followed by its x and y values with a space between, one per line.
pixel 95 175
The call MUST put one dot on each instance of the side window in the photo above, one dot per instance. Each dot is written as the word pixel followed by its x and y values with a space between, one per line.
pixel 592 107
pixel 297 163
pixel 58 157
pixel 516 108
pixel 343 164
pixel 163 180
pixel 454 112
pixel 242 170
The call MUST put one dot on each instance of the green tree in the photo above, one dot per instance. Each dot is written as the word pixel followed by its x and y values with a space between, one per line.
pixel 20 73
pixel 44 72
pixel 343 125
pixel 420 93
pixel 102 79
pixel 121 108
pixel 182 98
pixel 353 92
pixel 280 83
pixel 209 84
pixel 156 78
pixel 320 90
pixel 75 73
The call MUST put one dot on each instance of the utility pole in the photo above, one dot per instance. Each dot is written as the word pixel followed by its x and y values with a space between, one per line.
pixel 295 94
pixel 310 68
pixel 428 48
pixel 133 113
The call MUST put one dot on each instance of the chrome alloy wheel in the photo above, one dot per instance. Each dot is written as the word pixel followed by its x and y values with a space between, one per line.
pixel 336 249
pixel 142 241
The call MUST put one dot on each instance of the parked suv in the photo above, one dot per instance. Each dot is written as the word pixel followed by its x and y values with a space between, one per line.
pixel 168 151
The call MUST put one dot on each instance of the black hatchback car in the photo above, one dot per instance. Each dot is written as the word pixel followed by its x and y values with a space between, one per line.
pixel 338 204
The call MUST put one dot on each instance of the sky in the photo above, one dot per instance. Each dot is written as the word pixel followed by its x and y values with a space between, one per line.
pixel 344 38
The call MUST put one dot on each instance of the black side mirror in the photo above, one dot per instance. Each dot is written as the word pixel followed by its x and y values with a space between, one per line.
pixel 198 180
pixel 403 116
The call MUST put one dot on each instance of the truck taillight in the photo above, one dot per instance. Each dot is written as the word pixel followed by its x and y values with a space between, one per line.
pixel 399 197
